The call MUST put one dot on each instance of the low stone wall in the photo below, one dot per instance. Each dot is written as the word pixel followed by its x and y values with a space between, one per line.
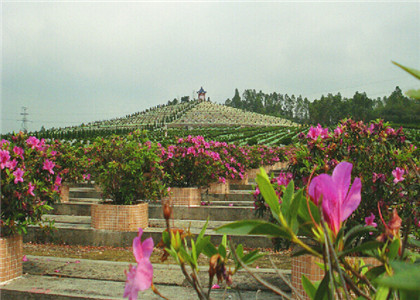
pixel 120 217
pixel 10 257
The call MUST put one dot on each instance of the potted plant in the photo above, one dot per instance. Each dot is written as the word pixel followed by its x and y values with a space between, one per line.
pixel 190 165
pixel 29 184
pixel 129 176
pixel 71 164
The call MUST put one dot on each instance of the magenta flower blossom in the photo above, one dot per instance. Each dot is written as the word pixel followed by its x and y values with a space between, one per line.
pixel 31 189
pixel 369 220
pixel 4 158
pixel 18 151
pixel 48 165
pixel 139 278
pixel 338 202
pixel 398 175
pixel 18 175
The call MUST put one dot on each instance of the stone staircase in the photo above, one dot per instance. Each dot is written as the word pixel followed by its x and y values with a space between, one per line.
pixel 64 278
pixel 73 221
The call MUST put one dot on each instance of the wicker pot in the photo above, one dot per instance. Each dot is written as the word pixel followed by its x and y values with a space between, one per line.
pixel 120 217
pixel 10 257
pixel 184 196
pixel 306 265
pixel 218 188
pixel 64 193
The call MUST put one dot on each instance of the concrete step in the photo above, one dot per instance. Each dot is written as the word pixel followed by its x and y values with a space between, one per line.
pixel 248 204
pixel 228 197
pixel 64 220
pixel 214 213
pixel 65 278
pixel 84 193
pixel 82 234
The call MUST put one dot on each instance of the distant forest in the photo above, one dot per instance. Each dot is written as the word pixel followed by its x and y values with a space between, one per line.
pixel 328 110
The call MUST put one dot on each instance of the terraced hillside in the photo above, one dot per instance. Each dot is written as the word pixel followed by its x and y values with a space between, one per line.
pixel 188 114
pixel 212 114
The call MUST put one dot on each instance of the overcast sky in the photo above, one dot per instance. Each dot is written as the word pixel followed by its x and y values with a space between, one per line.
pixel 74 62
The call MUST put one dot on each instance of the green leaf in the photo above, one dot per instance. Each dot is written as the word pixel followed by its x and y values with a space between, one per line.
pixel 375 272
pixel 222 250
pixel 356 231
pixel 414 72
pixel 294 208
pixel 363 247
pixel 393 249
pixel 165 238
pixel 186 256
pixel 209 249
pixel 382 293
pixel 251 257
pixel 201 244
pixel 322 291
pixel 257 227
pixel 310 289
pixel 203 231
pixel 287 200
pixel 414 94
pixel 194 253
pixel 406 277
pixel 413 242
pixel 268 193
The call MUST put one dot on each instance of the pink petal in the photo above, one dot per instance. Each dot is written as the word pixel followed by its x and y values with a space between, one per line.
pixel 144 275
pixel 342 178
pixel 352 201
pixel 147 246
pixel 24 258
pixel 215 286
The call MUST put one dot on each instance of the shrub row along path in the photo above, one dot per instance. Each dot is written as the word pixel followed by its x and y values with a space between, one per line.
pixel 84 263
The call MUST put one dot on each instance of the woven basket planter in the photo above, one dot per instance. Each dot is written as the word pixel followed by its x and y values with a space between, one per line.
pixel 306 265
pixel 120 217
pixel 184 196
pixel 64 193
pixel 10 257
pixel 218 188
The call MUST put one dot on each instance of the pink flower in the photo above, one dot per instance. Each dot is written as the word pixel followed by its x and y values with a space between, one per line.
pixel 18 175
pixel 398 175
pixel 24 258
pixel 18 151
pixel 57 180
pixel 4 158
pixel 33 142
pixel 215 286
pixel 139 278
pixel 31 189
pixel 338 203
pixel 11 164
pixel 48 165
pixel 369 220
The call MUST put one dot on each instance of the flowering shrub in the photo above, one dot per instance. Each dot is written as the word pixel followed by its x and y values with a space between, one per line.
pixel 380 157
pixel 261 155
pixel 128 169
pixel 191 163
pixel 29 182
pixel 322 221
pixel 70 160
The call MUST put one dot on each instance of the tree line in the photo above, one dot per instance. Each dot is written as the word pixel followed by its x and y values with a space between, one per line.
pixel 328 110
